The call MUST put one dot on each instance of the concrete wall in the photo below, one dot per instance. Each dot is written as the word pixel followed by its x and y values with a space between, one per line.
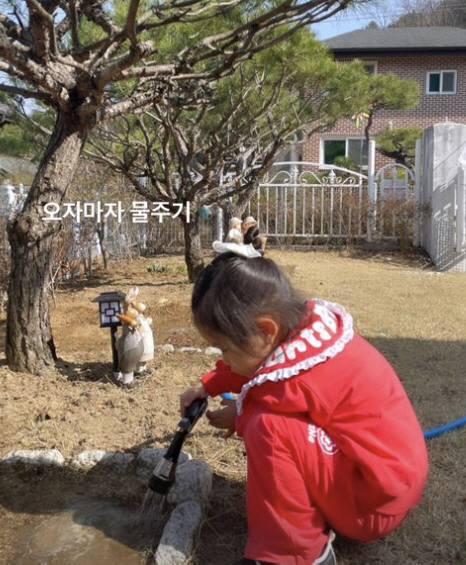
pixel 442 191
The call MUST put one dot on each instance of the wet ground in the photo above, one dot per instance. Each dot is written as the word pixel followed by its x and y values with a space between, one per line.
pixel 89 531
pixel 65 521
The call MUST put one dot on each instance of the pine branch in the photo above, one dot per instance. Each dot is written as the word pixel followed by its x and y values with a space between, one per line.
pixel 25 93
pixel 42 28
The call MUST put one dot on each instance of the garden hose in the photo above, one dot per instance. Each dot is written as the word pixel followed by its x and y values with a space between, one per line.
pixel 434 432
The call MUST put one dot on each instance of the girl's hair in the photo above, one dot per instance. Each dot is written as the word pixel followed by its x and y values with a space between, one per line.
pixel 232 292
pixel 253 236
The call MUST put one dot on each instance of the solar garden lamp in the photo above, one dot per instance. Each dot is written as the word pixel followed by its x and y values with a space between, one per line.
pixel 110 304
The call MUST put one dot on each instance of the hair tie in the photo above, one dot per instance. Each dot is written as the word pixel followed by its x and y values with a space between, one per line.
pixel 240 249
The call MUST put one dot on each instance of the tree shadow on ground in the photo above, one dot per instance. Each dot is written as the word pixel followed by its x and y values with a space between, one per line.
pixel 411 257
pixel 92 371
pixel 124 285
pixel 80 283
pixel 224 530
pixel 107 278
pixel 176 284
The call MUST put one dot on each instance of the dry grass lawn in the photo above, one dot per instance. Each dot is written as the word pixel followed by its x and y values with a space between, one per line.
pixel 414 315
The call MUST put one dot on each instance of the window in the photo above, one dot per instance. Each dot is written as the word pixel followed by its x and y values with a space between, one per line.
pixel 441 82
pixel 356 149
pixel 333 148
pixel 370 67
pixel 353 148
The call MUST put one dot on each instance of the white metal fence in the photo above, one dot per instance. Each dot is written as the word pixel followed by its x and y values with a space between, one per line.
pixel 302 201
pixel 299 202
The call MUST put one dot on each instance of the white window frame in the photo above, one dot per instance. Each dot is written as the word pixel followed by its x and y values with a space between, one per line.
pixel 345 138
pixel 429 73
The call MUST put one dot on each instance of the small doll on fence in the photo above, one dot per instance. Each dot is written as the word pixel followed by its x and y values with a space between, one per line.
pixel 252 235
pixel 234 235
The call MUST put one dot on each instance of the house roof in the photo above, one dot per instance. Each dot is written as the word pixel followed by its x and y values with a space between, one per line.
pixel 399 39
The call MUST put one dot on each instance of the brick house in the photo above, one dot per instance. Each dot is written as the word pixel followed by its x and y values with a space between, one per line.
pixel 435 57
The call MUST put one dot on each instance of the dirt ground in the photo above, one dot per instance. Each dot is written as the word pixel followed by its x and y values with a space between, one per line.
pixel 413 314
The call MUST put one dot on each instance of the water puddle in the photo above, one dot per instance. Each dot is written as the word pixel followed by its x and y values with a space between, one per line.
pixel 87 532
pixel 66 516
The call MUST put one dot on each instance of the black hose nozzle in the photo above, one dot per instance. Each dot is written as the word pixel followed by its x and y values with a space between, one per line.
pixel 163 476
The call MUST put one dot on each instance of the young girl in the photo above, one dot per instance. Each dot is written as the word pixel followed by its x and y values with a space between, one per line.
pixel 331 438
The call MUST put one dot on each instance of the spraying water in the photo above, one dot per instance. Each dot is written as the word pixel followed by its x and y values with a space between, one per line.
pixel 153 508
pixel 151 518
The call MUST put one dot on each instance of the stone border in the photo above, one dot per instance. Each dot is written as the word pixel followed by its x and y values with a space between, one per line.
pixel 188 496
pixel 169 348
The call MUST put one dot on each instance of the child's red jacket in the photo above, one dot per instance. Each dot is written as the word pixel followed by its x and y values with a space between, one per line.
pixel 331 439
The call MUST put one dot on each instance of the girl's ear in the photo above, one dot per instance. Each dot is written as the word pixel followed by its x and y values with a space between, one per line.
pixel 269 329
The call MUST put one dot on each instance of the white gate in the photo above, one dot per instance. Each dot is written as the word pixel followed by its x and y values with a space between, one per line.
pixel 460 204
pixel 443 195
pixel 394 203
pixel 302 202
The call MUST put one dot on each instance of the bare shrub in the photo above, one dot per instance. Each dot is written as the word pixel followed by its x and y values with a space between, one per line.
pixel 395 220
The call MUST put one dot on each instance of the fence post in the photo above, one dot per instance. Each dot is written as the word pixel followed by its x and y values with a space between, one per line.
pixel 372 192
pixel 294 183
pixel 460 211
pixel 417 195
pixel 217 217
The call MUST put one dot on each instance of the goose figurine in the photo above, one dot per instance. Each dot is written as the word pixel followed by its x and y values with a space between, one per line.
pixel 135 347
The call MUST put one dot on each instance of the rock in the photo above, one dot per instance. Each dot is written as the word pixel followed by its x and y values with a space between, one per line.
pixel 189 350
pixel 88 459
pixel 193 482
pixel 148 458
pixel 177 540
pixel 213 351
pixel 35 457
pixel 165 348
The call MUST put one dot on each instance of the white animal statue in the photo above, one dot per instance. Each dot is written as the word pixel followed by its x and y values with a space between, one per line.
pixel 135 347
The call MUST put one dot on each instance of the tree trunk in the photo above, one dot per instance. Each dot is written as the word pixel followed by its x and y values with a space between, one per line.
pixel 29 341
pixel 103 243
pixel 193 253
pixel 238 208
pixel 231 210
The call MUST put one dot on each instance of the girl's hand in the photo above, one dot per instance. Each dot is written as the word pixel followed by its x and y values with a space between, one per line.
pixel 196 391
pixel 224 418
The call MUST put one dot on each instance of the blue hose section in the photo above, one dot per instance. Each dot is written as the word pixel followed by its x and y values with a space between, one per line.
pixel 227 396
pixel 434 432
